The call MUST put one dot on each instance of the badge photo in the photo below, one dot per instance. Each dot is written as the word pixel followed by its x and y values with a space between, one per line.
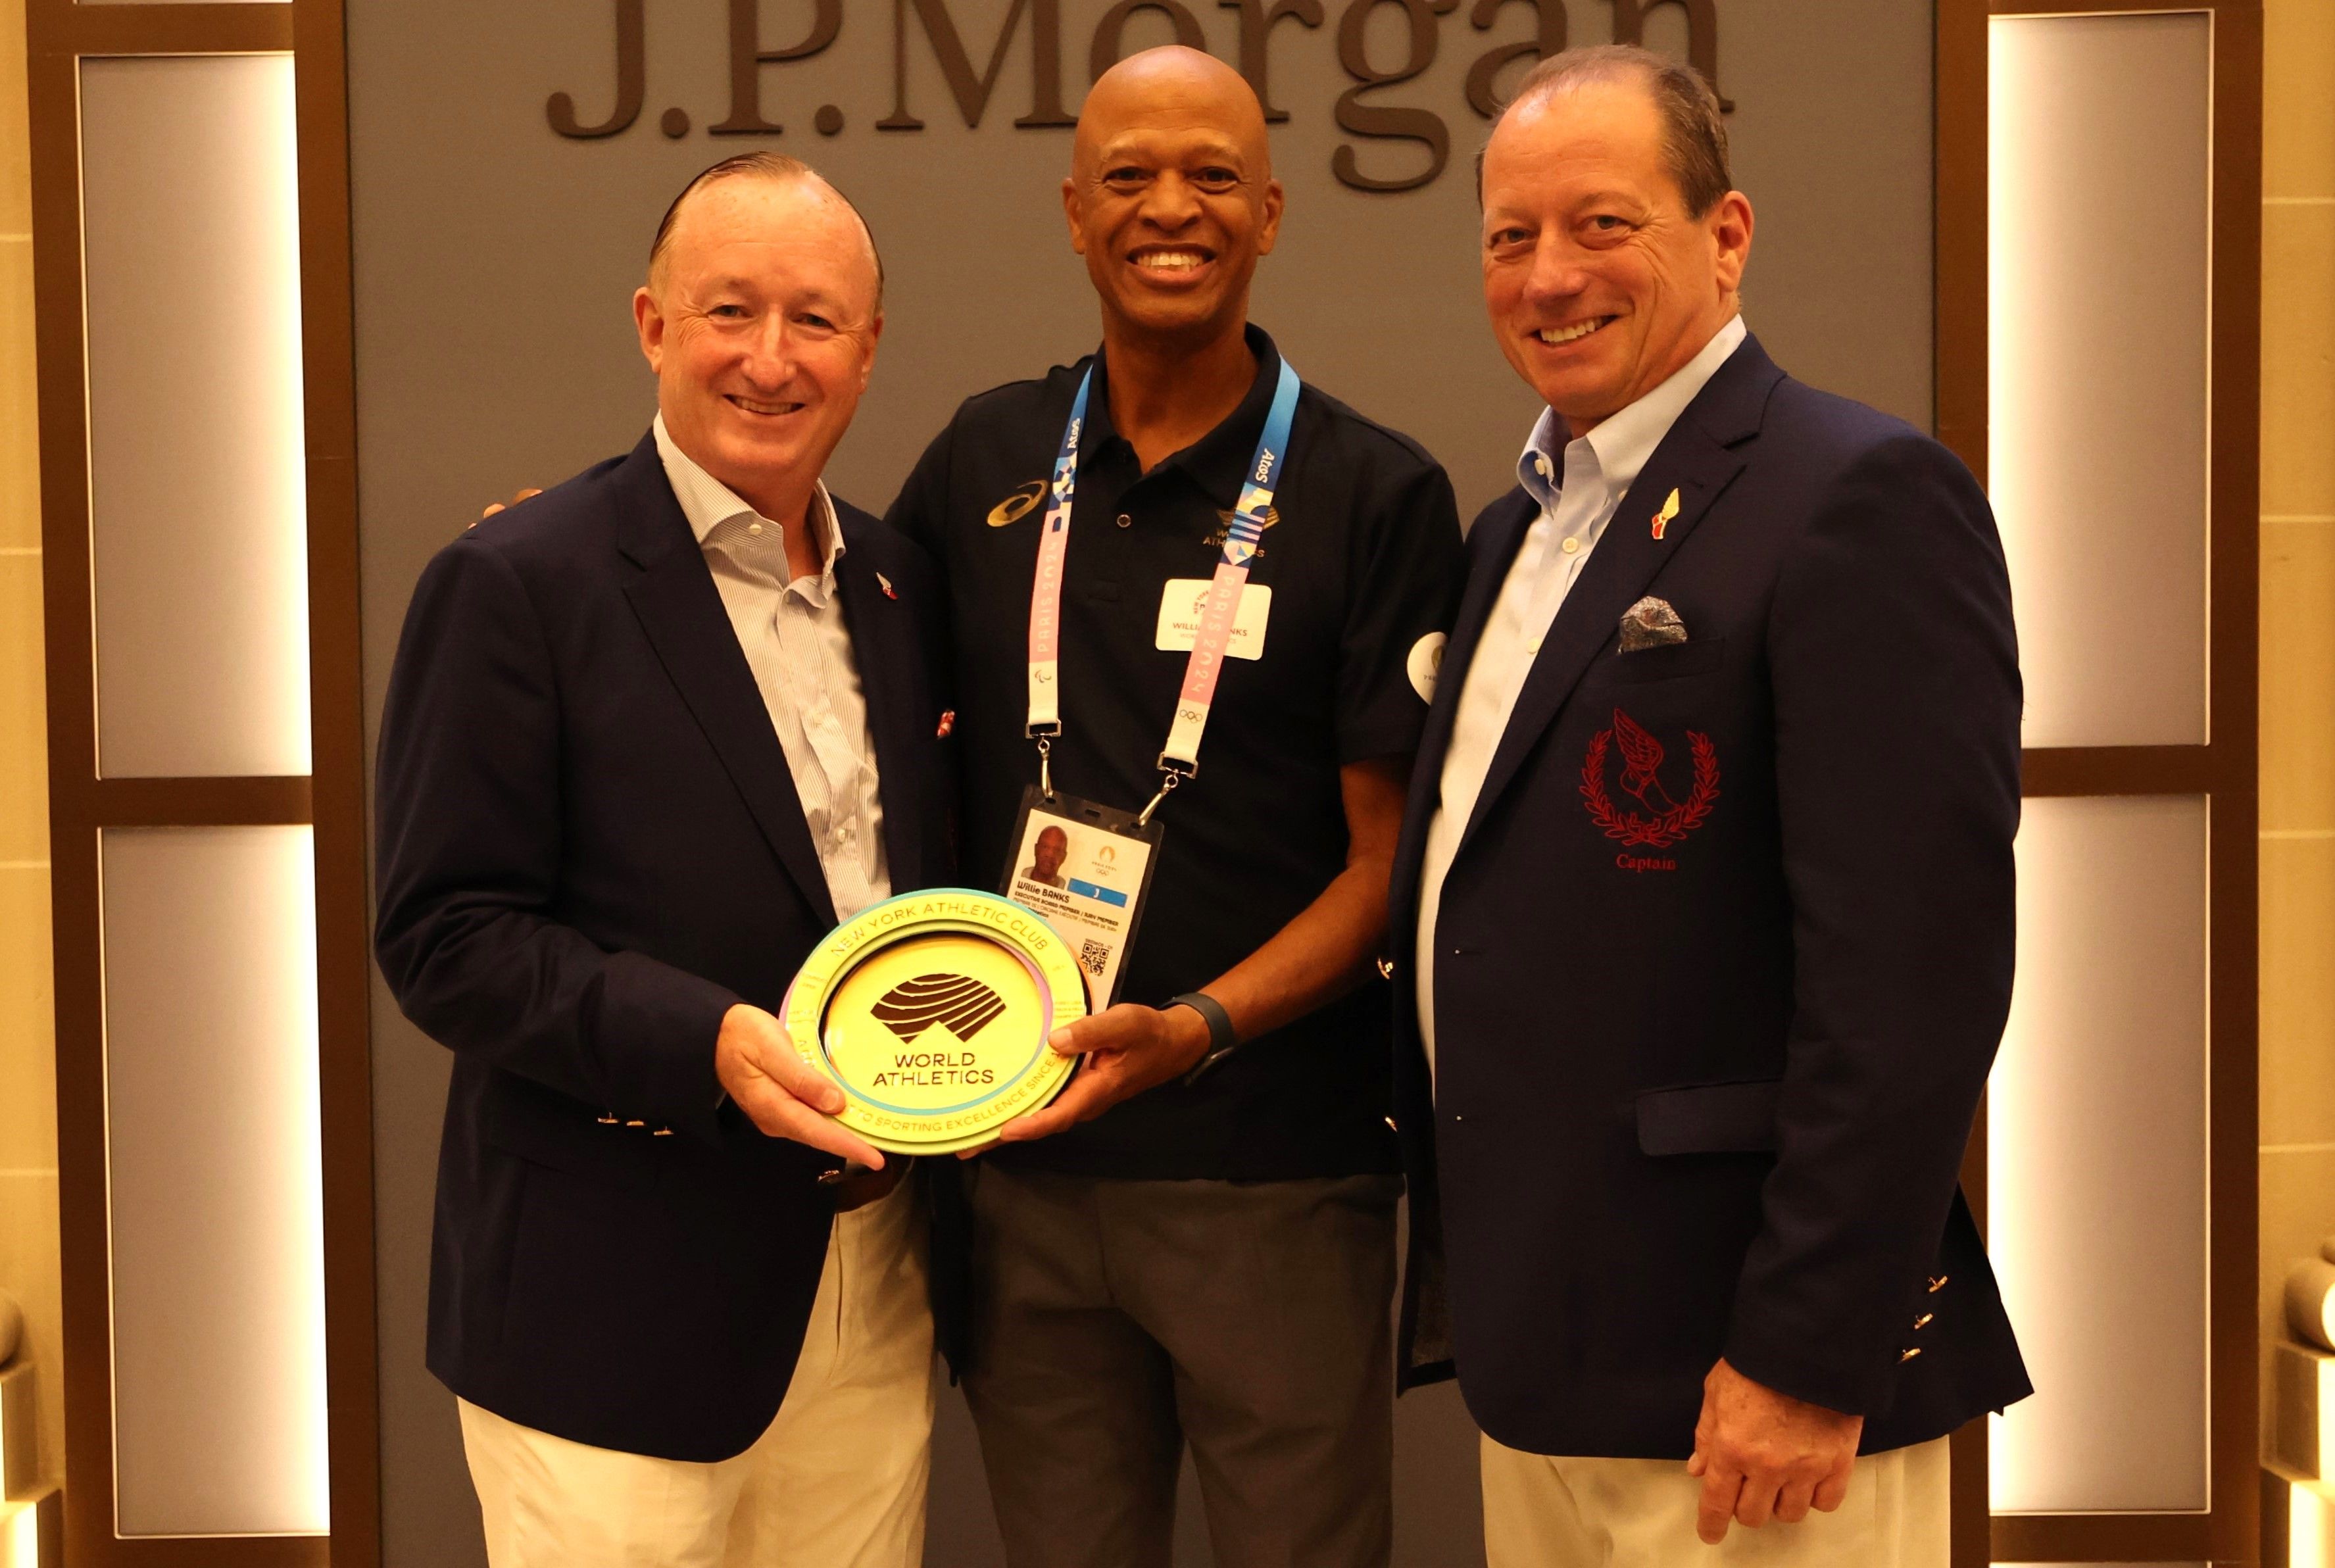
pixel 1085 867
pixel 931 1013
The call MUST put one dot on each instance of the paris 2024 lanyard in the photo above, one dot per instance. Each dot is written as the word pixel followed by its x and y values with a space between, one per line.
pixel 1084 866
pixel 1179 759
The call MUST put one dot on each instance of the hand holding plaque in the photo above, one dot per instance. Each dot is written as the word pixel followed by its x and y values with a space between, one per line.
pixel 1127 1050
pixel 932 1013
pixel 782 1094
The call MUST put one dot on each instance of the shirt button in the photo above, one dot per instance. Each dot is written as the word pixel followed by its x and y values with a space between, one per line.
pixel 1572 547
pixel 1125 521
pixel 1532 646
pixel 1541 464
pixel 755 530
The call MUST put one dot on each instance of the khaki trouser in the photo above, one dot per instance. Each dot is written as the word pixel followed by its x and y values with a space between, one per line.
pixel 837 1480
pixel 1541 1512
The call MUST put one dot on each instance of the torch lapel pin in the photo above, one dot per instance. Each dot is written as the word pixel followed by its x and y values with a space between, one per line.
pixel 1662 518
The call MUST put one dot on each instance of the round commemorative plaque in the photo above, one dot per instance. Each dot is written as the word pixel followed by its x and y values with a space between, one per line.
pixel 931 1013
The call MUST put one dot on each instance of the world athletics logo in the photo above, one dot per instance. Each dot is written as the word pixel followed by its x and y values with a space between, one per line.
pixel 961 1004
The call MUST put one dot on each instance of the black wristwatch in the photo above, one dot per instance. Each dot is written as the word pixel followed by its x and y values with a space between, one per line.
pixel 1222 1041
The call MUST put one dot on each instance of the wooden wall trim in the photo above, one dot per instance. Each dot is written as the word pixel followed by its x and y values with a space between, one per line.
pixel 2103 1537
pixel 82 804
pixel 2225 770
pixel 2118 770
pixel 192 802
pixel 1959 390
pixel 2233 498
pixel 53 113
pixel 336 695
pixel 187 28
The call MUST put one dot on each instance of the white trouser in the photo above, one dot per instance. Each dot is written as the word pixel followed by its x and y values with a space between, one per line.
pixel 1541 1512
pixel 837 1480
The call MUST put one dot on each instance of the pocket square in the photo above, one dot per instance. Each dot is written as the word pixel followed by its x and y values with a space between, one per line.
pixel 1651 623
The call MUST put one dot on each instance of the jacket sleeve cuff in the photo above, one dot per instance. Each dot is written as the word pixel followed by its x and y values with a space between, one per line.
pixel 1801 1370
pixel 657 1029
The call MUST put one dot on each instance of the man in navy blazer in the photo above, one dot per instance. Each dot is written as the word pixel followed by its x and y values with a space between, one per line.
pixel 648 737
pixel 1705 898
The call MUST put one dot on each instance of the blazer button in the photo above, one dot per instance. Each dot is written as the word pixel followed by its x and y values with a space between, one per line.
pixel 1390 1127
pixel 1923 1322
pixel 662 1132
pixel 1386 969
pixel 1125 521
pixel 1939 1283
pixel 608 1120
pixel 636 1123
pixel 1906 1355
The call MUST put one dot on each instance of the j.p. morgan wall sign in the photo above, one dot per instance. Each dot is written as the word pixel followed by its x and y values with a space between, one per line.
pixel 1363 110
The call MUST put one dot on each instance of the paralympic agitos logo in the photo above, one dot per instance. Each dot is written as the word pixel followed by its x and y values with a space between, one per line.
pixel 928 30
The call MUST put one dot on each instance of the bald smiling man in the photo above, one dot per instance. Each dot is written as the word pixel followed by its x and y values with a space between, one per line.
pixel 1195 1244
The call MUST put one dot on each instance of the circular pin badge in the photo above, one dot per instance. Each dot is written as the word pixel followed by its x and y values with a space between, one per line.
pixel 931 1013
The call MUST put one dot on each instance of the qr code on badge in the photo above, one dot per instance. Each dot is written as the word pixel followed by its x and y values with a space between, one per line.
pixel 1093 957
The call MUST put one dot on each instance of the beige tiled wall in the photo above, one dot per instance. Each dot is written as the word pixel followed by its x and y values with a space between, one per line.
pixel 2298 640
pixel 28 1128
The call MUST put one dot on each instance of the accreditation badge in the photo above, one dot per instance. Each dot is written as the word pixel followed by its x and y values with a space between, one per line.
pixel 931 1013
pixel 1086 867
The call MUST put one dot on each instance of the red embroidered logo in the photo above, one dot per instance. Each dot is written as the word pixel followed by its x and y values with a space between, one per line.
pixel 1642 762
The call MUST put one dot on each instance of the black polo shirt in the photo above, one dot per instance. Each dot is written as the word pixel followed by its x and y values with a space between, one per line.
pixel 1364 561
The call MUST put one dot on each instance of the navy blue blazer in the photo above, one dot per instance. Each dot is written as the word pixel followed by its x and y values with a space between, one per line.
pixel 1725 951
pixel 590 847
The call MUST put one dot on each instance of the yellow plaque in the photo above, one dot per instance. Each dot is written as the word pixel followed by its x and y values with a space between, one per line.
pixel 930 1011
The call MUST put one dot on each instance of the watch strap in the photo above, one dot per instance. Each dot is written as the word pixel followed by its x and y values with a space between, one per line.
pixel 1222 1041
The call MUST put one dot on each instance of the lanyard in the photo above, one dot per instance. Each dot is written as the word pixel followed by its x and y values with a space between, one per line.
pixel 1179 759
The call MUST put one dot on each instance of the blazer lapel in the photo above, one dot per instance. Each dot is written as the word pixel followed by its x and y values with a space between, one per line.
pixel 884 641
pixel 682 612
pixel 1699 459
pixel 1492 545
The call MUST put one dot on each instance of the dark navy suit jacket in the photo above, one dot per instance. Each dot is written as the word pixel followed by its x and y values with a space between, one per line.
pixel 590 848
pixel 1725 951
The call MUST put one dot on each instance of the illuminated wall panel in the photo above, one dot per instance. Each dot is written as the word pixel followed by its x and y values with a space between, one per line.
pixel 212 1162
pixel 2310 1529
pixel 2096 1159
pixel 198 513
pixel 2098 185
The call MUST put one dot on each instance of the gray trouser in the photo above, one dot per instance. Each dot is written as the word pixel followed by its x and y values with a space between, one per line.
pixel 1116 1321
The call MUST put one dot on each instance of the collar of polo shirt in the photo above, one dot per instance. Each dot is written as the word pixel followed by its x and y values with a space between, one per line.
pixel 1218 461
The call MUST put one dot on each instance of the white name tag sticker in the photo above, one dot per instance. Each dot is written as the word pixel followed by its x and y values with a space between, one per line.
pixel 1184 599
